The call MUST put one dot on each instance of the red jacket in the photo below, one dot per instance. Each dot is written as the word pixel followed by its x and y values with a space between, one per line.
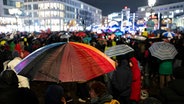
pixel 136 80
pixel 18 48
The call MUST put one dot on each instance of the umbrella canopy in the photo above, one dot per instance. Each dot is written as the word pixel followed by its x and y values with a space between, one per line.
pixel 118 33
pixel 156 32
pixel 118 50
pixel 163 50
pixel 139 37
pixel 168 34
pixel 81 34
pixel 65 62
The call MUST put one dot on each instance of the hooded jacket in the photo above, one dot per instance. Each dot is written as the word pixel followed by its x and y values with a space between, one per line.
pixel 121 80
pixel 136 80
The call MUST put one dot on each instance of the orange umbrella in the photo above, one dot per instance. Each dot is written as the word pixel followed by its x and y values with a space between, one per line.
pixel 65 62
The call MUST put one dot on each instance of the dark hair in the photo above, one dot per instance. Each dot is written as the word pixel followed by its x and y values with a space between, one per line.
pixel 99 88
pixel 15 54
pixel 54 93
pixel 8 78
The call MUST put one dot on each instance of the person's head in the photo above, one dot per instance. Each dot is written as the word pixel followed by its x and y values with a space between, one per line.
pixel 8 78
pixel 145 29
pixel 15 54
pixel 123 61
pixel 133 61
pixel 97 89
pixel 54 94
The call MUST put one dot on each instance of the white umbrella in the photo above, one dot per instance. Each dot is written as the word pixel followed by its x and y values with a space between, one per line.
pixel 163 50
pixel 142 38
pixel 118 50
pixel 168 34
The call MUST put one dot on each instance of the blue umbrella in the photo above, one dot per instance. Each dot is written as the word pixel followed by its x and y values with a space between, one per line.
pixel 118 33
pixel 156 32
pixel 168 34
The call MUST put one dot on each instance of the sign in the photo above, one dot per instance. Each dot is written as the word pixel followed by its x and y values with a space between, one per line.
pixel 18 4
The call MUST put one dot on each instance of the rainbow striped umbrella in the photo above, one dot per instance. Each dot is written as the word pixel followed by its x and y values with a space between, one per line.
pixel 65 62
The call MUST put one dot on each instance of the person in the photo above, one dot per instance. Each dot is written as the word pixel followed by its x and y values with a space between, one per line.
pixel 145 33
pixel 24 52
pixel 99 93
pixel 23 81
pixel 82 92
pixel 136 81
pixel 165 72
pixel 174 92
pixel 11 94
pixel 4 55
pixel 55 95
pixel 121 82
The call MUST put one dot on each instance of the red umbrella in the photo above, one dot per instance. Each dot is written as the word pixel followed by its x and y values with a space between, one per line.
pixel 65 62
pixel 81 34
pixel 101 35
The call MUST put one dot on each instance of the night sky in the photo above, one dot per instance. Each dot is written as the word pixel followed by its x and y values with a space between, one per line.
pixel 110 6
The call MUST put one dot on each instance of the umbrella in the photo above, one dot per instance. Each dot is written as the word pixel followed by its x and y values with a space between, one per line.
pixel 81 34
pixel 118 50
pixel 139 37
pixel 163 50
pixel 168 34
pixel 65 62
pixel 118 33
pixel 156 32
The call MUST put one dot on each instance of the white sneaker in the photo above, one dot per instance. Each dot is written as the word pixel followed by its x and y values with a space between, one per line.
pixel 81 100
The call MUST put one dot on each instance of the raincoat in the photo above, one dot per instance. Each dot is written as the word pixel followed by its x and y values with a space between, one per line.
pixel 136 80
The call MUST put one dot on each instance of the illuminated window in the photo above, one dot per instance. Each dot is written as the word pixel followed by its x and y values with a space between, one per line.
pixel 61 7
pixel 61 14
pixel 35 6
pixel 35 14
pixel 47 6
pixel 6 11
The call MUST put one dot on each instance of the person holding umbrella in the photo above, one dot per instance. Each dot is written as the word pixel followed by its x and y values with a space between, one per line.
pixel 165 71
pixel 165 52
pixel 121 82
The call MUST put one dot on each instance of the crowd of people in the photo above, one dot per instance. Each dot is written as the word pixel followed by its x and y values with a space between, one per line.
pixel 139 77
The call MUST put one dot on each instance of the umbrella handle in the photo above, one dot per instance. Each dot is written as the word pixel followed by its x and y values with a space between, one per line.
pixel 68 40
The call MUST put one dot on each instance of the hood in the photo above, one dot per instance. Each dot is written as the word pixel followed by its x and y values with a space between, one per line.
pixel 134 61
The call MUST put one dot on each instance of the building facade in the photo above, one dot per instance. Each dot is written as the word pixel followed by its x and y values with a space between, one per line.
pixel 7 20
pixel 58 15
pixel 169 12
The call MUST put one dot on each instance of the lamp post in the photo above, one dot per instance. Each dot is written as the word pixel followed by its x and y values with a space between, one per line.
pixel 151 3
pixel 150 23
pixel 16 12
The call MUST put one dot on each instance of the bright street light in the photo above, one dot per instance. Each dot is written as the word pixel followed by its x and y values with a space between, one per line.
pixel 151 3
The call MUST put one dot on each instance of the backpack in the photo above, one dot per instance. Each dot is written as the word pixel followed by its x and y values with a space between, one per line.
pixel 113 101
